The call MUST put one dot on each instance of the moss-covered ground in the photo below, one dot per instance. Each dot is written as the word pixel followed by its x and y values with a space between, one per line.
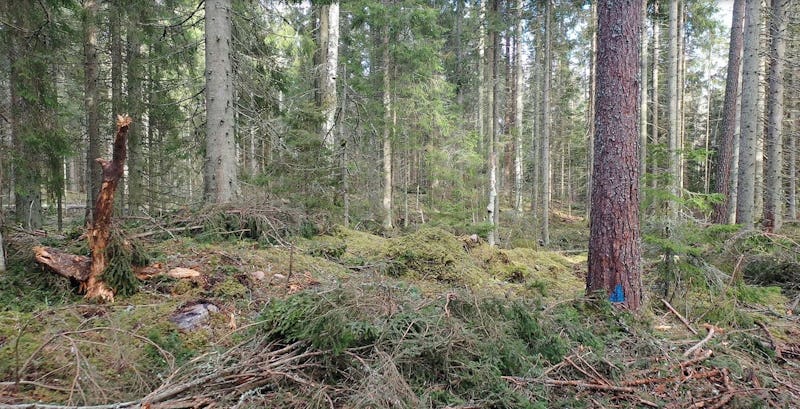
pixel 427 319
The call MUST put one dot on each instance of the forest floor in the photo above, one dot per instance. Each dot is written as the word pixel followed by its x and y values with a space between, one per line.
pixel 289 312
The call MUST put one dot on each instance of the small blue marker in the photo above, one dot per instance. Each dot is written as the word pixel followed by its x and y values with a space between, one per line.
pixel 618 295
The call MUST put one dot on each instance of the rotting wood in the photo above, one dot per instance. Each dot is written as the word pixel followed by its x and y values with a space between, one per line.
pixel 99 232
pixel 88 270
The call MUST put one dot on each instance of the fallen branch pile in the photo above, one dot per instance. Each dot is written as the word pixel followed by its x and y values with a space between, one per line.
pixel 711 388
pixel 217 380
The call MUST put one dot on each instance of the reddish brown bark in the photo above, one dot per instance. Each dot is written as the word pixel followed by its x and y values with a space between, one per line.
pixel 722 183
pixel 614 244
pixel 100 230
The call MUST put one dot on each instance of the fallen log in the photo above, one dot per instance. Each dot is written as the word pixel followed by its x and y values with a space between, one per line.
pixel 64 264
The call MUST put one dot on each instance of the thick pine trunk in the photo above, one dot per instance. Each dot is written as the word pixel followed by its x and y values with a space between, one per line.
pixel 773 182
pixel 614 245
pixel 745 208
pixel 220 174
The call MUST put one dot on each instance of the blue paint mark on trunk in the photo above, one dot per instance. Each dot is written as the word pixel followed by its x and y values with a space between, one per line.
pixel 617 295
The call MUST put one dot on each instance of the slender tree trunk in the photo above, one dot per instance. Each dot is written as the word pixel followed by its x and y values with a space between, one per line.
pixel 614 245
pixel 773 182
pixel 115 21
pixel 135 74
pixel 329 50
pixel 794 119
pixel 90 101
pixel 221 184
pixel 591 110
pixel 491 122
pixel 388 211
pixel 681 86
pixel 518 93
pixel 672 85
pixel 545 163
pixel 749 117
pixel 654 166
pixel 482 82
pixel 644 132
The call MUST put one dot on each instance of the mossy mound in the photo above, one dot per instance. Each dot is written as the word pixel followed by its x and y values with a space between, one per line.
pixel 434 254
pixel 360 247
pixel 552 274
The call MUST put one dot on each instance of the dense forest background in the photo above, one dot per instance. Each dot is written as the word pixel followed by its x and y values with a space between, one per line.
pixel 398 130
pixel 399 203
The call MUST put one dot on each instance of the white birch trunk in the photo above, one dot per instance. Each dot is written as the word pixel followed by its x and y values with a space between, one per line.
pixel 330 49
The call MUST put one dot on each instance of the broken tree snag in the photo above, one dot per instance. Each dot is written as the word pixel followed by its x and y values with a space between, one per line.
pixel 99 231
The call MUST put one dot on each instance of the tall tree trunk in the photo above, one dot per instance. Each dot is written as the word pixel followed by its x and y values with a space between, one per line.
pixel 388 207
pixel 672 90
pixel 90 101
pixel 644 132
pixel 482 81
pixel 794 120
pixel 135 73
pixel 654 166
pixel 329 50
pixel 591 104
pixel 221 184
pixel 115 21
pixel 545 162
pixel 518 93
pixel 773 183
pixel 26 79
pixel 491 119
pixel 614 245
pixel 749 117
pixel 681 88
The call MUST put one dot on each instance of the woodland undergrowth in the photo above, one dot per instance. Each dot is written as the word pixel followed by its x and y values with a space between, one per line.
pixel 302 313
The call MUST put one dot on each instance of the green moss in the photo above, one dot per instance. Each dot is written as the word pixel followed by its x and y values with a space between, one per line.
pixel 434 254
pixel 230 289
pixel 548 273
pixel 361 246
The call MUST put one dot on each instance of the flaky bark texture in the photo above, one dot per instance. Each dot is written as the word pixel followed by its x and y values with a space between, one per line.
pixel 100 230
pixel 614 245
pixel 727 138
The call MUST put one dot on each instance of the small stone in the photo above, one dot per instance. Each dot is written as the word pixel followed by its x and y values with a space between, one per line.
pixel 258 275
